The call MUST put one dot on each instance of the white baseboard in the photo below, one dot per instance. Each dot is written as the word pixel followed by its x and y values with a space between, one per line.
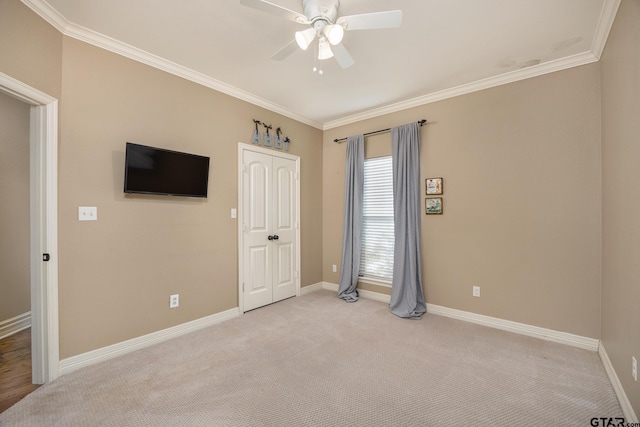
pixel 627 409
pixel 376 296
pixel 15 324
pixel 493 322
pixel 311 288
pixel 76 362
pixel 586 343
pixel 331 286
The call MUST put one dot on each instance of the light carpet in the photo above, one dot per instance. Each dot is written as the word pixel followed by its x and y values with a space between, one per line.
pixel 318 361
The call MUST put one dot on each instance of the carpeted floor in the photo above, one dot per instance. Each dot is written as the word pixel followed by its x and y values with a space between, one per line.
pixel 318 361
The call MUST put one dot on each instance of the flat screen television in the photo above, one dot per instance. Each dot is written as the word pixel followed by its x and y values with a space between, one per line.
pixel 151 170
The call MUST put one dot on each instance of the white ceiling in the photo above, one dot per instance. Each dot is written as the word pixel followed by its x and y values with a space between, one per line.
pixel 443 48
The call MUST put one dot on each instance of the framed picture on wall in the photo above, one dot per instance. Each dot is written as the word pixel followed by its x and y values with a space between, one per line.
pixel 433 205
pixel 434 186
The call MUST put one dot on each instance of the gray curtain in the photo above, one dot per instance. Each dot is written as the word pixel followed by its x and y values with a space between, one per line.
pixel 407 298
pixel 352 231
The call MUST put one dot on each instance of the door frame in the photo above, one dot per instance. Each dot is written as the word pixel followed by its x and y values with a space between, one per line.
pixel 242 147
pixel 43 175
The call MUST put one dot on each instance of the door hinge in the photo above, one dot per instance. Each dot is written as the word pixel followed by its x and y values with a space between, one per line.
pixel 242 286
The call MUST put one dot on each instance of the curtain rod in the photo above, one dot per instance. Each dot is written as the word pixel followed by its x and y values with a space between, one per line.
pixel 420 122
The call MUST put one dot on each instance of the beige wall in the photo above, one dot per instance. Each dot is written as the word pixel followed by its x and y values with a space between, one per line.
pixel 116 274
pixel 621 196
pixel 31 49
pixel 521 169
pixel 522 201
pixel 14 214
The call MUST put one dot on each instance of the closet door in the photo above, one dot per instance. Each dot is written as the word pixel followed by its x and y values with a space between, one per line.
pixel 284 227
pixel 257 247
pixel 269 234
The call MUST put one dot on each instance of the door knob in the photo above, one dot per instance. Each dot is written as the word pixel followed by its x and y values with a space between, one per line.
pixel 276 237
pixel 270 237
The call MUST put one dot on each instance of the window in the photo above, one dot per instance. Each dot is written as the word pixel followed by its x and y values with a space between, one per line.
pixel 376 259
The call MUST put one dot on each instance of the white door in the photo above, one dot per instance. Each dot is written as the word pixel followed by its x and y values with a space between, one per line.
pixel 269 229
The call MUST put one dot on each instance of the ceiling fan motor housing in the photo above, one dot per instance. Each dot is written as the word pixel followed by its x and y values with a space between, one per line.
pixel 321 11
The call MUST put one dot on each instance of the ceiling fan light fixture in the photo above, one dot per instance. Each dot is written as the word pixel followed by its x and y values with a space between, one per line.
pixel 324 49
pixel 334 33
pixel 304 38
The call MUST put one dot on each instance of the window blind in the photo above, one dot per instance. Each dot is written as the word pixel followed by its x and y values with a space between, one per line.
pixel 376 259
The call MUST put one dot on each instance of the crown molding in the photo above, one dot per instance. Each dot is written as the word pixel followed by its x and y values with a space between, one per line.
pixel 607 16
pixel 605 22
pixel 52 16
pixel 48 13
pixel 131 52
pixel 67 28
pixel 502 79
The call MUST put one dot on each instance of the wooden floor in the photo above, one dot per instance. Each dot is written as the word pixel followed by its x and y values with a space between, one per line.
pixel 15 368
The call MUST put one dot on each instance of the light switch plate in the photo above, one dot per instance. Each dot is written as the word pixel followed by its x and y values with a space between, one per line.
pixel 88 213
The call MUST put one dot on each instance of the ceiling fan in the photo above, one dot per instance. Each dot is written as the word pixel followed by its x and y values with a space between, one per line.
pixel 326 26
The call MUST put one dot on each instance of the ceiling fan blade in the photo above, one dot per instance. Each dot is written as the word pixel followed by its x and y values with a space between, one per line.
pixel 277 10
pixel 289 48
pixel 342 56
pixel 368 21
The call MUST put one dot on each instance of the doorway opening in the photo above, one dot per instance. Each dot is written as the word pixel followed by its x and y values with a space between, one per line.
pixel 43 252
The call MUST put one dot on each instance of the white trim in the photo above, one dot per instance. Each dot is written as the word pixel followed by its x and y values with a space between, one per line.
pixel 105 353
pixel 242 147
pixel 45 11
pixel 49 14
pixel 627 409
pixel 373 281
pixel 270 151
pixel 492 322
pixel 605 22
pixel 376 296
pixel 586 343
pixel 43 165
pixel 510 77
pixel 305 290
pixel 24 92
pixel 15 324
pixel 331 286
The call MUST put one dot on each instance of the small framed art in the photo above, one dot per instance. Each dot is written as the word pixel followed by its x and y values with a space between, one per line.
pixel 433 205
pixel 434 186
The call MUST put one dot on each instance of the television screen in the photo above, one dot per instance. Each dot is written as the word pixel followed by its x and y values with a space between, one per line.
pixel 150 170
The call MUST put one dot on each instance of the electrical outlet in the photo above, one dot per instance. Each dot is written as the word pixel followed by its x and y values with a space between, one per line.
pixel 334 268
pixel 634 368
pixel 174 300
pixel 476 291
